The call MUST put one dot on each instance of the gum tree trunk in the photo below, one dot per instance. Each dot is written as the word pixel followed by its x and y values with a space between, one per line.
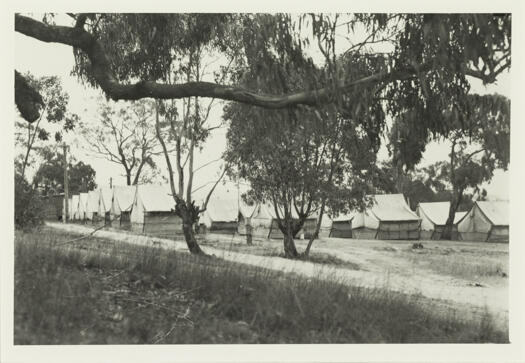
pixel 449 225
pixel 249 234
pixel 292 228
pixel 289 247
pixel 316 232
pixel 189 235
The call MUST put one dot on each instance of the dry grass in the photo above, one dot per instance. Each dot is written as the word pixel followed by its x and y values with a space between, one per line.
pixel 462 263
pixel 98 291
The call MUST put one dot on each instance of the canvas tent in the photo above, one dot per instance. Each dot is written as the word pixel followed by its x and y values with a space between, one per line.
pixel 104 205
pixel 310 224
pixel 244 217
pixel 82 204
pixel 74 207
pixel 153 211
pixel 123 197
pixel 487 221
pixel 221 214
pixel 342 226
pixel 389 217
pixel 265 224
pixel 92 205
pixel 433 219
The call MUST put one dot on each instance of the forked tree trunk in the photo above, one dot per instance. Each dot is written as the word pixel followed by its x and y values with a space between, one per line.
pixel 290 251
pixel 289 231
pixel 316 232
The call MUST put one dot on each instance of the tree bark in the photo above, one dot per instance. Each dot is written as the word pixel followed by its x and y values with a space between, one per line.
pixel 456 197
pixel 317 228
pixel 290 251
pixel 249 235
pixel 449 225
pixel 30 142
pixel 139 171
pixel 189 235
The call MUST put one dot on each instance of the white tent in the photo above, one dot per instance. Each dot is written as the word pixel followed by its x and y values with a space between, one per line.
pixel 244 217
pixel 123 197
pixel 310 224
pixel 434 217
pixel 389 217
pixel 104 204
pixel 265 223
pixel 486 221
pixel 82 204
pixel 342 226
pixel 221 214
pixel 74 207
pixel 153 211
pixel 92 205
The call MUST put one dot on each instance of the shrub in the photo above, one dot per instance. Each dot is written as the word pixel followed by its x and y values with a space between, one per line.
pixel 29 209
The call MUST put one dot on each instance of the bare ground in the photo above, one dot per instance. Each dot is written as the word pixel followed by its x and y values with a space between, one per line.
pixel 471 278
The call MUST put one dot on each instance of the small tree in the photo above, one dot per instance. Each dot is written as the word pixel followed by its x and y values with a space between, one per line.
pixel 28 205
pixel 478 129
pixel 125 136
pixel 185 133
pixel 49 178
pixel 54 113
pixel 423 184
pixel 301 167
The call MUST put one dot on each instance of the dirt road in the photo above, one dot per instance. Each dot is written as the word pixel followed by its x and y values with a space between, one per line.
pixel 379 272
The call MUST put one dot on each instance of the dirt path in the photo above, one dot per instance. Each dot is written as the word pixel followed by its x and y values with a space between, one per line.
pixel 450 291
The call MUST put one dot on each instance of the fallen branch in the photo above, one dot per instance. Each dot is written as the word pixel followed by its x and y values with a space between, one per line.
pixel 80 238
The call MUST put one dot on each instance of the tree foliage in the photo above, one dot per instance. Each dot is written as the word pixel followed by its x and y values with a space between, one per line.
pixel 425 70
pixel 479 134
pixel 29 210
pixel 125 136
pixel 54 115
pixel 49 178
pixel 421 185
pixel 300 161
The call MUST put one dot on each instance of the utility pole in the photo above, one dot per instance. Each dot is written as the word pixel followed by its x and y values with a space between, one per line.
pixel 110 183
pixel 66 187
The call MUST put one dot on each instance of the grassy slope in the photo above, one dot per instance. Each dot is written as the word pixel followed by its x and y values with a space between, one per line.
pixel 107 292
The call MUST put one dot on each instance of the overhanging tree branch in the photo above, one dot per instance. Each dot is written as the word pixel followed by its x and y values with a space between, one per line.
pixel 79 38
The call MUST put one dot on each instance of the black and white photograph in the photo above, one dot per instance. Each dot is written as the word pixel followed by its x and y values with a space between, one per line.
pixel 261 178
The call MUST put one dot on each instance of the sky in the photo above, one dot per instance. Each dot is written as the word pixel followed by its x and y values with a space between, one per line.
pixel 56 59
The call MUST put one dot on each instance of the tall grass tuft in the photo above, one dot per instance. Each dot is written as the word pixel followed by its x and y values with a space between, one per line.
pixel 98 291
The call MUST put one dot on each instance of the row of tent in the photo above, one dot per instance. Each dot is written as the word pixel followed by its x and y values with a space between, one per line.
pixel 390 217
pixel 149 209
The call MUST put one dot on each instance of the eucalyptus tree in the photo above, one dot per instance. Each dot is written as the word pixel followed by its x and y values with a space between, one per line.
pixel 301 161
pixel 478 130
pixel 49 177
pixel 124 135
pixel 54 116
pixel 184 127
pixel 126 54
